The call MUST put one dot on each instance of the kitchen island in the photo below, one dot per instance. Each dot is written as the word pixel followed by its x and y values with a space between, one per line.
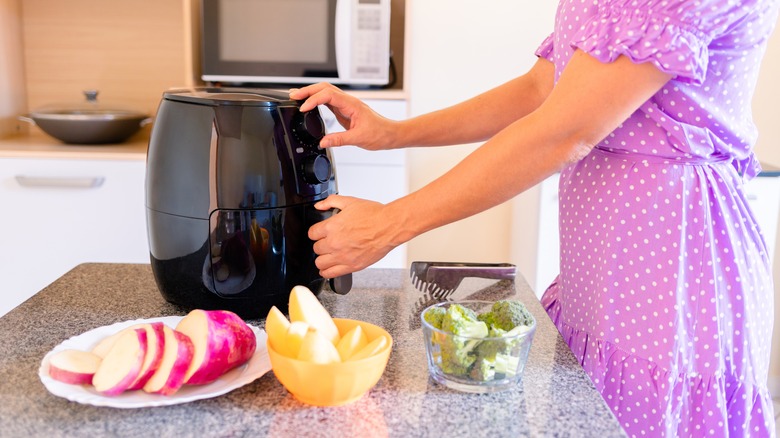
pixel 555 397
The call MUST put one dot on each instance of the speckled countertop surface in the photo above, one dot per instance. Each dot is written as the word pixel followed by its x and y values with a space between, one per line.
pixel 555 397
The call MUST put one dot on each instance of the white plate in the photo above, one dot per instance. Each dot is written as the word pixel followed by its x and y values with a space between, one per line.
pixel 257 365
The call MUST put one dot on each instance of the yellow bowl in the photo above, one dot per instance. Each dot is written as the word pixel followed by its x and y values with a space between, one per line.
pixel 333 384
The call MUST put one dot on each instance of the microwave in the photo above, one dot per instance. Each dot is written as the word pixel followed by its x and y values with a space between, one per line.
pixel 344 42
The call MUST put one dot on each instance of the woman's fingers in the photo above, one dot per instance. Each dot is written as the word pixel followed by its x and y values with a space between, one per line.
pixel 320 94
pixel 343 242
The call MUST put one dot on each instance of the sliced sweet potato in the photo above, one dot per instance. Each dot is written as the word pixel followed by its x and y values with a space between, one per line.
pixel 221 341
pixel 122 364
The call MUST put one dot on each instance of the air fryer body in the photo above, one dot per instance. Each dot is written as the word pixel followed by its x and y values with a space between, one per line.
pixel 232 176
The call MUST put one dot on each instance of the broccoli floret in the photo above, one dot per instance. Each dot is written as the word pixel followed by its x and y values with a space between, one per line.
pixel 506 364
pixel 461 321
pixel 490 347
pixel 456 355
pixel 483 370
pixel 434 315
pixel 506 315
pixel 457 350
pixel 488 368
pixel 499 365
pixel 466 352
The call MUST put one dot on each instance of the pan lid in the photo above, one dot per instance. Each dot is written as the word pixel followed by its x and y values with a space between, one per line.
pixel 88 109
pixel 216 96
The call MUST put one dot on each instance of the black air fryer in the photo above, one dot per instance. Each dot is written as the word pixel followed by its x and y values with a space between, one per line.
pixel 232 176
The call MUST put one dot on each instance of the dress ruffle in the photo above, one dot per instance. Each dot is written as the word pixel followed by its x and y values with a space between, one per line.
pixel 649 400
pixel 674 46
pixel 545 49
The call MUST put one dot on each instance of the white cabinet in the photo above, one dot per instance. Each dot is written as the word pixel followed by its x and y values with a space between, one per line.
pixel 376 175
pixel 58 213
pixel 548 259
pixel 762 192
pixel 763 195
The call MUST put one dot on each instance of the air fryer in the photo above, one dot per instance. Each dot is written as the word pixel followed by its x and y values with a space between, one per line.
pixel 232 178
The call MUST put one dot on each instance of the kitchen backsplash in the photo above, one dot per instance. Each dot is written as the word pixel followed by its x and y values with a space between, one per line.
pixel 131 51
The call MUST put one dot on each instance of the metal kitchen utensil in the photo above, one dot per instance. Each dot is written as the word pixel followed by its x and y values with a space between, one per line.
pixel 440 279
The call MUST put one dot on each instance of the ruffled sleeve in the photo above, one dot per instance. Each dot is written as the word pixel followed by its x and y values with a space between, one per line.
pixel 672 34
pixel 545 49
pixel 648 31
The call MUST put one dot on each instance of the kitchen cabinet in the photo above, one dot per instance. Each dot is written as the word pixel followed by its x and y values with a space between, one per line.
pixel 376 175
pixel 547 260
pixel 58 213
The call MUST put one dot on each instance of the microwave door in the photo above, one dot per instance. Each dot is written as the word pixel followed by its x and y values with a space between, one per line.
pixel 296 41
pixel 269 41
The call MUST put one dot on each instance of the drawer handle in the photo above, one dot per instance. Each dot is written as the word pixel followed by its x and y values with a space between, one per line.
pixel 66 182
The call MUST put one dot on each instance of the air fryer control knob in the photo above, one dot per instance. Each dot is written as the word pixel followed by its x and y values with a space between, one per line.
pixel 316 169
pixel 308 127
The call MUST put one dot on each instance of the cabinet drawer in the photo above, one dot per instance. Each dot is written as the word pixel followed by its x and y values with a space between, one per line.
pixel 60 213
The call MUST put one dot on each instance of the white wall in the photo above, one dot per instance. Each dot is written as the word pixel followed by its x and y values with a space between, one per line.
pixel 456 49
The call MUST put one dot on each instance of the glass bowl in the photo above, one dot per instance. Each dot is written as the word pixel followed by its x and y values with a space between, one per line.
pixel 476 364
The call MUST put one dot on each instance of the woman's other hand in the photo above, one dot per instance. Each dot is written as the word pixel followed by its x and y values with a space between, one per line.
pixel 358 236
pixel 364 127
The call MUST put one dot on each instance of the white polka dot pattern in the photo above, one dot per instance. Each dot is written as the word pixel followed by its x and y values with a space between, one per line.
pixel 665 291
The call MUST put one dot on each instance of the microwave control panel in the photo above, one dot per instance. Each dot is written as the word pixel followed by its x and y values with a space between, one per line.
pixel 370 39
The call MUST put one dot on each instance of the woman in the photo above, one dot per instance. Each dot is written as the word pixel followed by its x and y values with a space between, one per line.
pixel 665 287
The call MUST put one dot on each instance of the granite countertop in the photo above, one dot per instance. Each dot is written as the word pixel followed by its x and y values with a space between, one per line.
pixel 555 398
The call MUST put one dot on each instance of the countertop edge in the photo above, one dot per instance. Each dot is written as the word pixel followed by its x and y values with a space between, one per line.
pixel 39 146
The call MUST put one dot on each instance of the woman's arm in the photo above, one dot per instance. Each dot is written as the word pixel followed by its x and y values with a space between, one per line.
pixel 589 101
pixel 476 119
pixel 482 116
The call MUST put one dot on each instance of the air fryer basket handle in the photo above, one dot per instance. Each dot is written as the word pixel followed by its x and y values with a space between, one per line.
pixel 341 285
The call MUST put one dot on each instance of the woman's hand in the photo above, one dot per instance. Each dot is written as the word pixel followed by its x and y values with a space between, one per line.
pixel 355 238
pixel 364 127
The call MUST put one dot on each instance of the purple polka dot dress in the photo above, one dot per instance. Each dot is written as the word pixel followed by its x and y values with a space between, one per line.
pixel 665 291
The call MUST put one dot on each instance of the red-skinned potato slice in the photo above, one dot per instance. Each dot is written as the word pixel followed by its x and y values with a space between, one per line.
pixel 177 356
pixel 104 346
pixel 73 366
pixel 155 339
pixel 122 364
pixel 221 341
pixel 101 348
